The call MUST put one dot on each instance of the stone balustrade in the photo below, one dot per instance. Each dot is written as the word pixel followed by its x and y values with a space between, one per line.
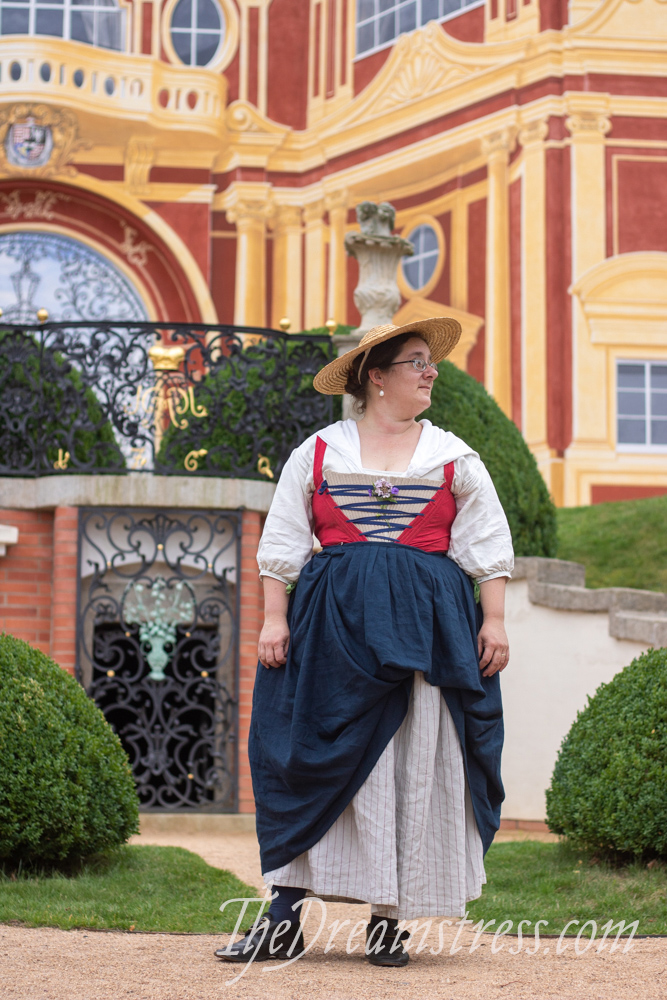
pixel 120 85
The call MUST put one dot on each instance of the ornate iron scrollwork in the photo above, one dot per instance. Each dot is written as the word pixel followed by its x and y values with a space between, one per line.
pixel 134 396
pixel 158 647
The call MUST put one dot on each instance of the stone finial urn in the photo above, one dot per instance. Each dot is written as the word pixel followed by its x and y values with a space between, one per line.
pixel 378 251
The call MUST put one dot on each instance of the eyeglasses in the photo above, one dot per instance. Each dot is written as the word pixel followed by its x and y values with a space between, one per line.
pixel 418 364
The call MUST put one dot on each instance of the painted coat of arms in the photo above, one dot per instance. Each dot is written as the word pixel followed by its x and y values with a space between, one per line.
pixel 28 144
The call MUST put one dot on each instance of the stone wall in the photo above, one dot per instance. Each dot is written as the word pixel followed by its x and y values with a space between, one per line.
pixel 565 640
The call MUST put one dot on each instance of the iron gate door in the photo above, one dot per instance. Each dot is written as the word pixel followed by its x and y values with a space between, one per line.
pixel 157 647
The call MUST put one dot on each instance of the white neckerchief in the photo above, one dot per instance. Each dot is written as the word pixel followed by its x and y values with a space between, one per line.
pixel 434 448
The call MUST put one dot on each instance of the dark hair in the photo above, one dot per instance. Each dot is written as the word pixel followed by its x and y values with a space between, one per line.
pixel 380 357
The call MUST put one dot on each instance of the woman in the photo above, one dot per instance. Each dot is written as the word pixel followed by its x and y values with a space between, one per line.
pixel 377 726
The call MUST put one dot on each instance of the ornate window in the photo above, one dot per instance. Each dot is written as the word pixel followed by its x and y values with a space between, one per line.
pixel 94 22
pixel 419 269
pixel 380 22
pixel 67 278
pixel 197 31
pixel 641 404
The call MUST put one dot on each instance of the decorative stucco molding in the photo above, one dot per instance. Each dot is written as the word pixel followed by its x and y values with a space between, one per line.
pixel 640 615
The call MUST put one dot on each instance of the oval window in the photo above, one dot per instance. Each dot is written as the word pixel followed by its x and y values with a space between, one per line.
pixel 418 270
pixel 197 31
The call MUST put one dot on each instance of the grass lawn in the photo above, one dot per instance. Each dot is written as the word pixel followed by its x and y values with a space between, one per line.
pixel 622 544
pixel 136 888
pixel 170 889
pixel 534 881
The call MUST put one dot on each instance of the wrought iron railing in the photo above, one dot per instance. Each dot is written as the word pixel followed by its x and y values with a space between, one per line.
pixel 173 398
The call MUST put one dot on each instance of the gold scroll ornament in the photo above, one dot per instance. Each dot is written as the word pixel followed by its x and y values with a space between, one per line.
pixel 264 466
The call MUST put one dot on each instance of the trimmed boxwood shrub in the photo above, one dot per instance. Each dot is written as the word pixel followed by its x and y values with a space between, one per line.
pixel 461 405
pixel 66 789
pixel 608 792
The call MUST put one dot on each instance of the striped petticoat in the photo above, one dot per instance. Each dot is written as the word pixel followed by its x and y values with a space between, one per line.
pixel 408 841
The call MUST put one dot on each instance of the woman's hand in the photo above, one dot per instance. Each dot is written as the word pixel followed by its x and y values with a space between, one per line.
pixel 274 641
pixel 492 646
pixel 274 637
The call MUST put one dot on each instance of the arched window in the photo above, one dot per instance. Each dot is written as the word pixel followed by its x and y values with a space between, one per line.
pixel 64 276
pixel 94 22
pixel 379 22
pixel 419 269
pixel 197 31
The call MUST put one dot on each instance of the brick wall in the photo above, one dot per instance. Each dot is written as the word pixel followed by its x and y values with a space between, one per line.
pixel 63 605
pixel 26 578
pixel 38 578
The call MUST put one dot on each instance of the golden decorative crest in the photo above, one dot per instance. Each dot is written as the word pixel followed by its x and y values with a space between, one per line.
pixel 62 460
pixel 64 136
pixel 166 359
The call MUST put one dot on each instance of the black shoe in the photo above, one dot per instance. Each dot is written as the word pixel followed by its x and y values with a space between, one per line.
pixel 261 942
pixel 383 943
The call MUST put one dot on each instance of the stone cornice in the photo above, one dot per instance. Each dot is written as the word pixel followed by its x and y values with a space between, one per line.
pixel 136 489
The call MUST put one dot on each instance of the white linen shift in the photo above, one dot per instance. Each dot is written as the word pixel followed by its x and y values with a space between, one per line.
pixel 408 841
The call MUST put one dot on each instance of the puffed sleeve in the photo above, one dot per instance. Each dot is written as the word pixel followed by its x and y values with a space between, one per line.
pixel 481 542
pixel 286 544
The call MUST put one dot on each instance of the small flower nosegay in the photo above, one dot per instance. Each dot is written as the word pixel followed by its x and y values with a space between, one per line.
pixel 383 490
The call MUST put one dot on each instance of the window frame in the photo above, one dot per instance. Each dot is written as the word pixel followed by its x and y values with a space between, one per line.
pixel 226 51
pixel 405 288
pixel 385 45
pixel 638 449
pixel 68 8
pixel 193 32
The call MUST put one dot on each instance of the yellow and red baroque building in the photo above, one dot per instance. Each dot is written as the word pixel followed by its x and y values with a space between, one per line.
pixel 212 152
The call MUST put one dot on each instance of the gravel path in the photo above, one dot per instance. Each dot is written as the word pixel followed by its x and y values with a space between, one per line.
pixel 47 964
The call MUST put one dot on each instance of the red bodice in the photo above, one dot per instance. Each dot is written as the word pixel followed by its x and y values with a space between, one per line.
pixel 338 510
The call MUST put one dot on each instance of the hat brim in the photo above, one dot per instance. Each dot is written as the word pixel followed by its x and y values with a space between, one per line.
pixel 441 333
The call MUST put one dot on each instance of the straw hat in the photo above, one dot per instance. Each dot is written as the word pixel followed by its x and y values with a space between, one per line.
pixel 441 334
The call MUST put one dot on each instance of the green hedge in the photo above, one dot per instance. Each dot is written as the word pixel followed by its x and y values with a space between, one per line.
pixel 68 415
pixel 608 792
pixel 66 789
pixel 461 405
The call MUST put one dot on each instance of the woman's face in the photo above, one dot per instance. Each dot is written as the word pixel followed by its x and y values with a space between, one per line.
pixel 407 391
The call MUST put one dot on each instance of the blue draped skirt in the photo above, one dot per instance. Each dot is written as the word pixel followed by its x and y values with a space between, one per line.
pixel 363 617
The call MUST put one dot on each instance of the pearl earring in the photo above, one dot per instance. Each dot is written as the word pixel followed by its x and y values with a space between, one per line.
pixel 382 392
